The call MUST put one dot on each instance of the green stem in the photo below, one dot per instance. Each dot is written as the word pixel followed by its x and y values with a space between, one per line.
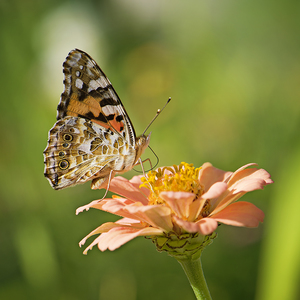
pixel 194 272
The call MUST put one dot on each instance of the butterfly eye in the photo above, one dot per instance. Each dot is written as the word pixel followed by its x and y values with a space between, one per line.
pixel 64 164
pixel 67 137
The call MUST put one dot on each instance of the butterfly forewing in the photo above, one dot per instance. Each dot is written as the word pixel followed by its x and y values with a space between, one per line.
pixel 93 137
pixel 89 94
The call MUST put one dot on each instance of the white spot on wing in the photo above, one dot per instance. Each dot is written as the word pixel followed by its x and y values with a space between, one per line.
pixel 74 59
pixel 89 64
pixel 110 109
pixel 79 83
pixel 89 72
pixel 100 82
pixel 113 95
pixel 85 147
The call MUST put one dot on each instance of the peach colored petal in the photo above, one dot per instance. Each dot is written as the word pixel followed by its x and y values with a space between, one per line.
pixel 229 198
pixel 215 190
pixel 128 221
pixel 155 215
pixel 235 173
pixel 240 214
pixel 195 209
pixel 179 202
pixel 98 204
pixel 208 175
pixel 86 207
pixel 241 174
pixel 101 229
pixel 246 180
pixel 105 227
pixel 117 237
pixel 117 206
pixel 248 185
pixel 136 182
pixel 205 226
pixel 125 188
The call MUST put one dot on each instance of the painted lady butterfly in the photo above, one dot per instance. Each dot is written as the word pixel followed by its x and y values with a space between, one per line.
pixel 93 138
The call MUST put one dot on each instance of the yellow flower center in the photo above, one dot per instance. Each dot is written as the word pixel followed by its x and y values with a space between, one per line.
pixel 182 178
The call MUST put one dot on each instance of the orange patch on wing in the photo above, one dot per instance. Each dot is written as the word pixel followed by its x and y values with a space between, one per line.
pixel 72 114
pixel 83 107
pixel 94 105
pixel 119 126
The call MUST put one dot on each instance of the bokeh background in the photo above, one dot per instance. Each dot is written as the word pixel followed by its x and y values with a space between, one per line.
pixel 232 69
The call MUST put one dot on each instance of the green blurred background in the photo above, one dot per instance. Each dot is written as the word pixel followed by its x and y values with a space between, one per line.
pixel 232 69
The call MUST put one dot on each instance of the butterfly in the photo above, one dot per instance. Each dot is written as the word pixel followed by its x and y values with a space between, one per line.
pixel 93 138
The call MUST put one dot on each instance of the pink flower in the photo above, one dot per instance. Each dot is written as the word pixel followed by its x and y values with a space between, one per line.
pixel 178 201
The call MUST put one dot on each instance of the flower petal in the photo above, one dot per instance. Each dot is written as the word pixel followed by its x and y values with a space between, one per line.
pixel 215 190
pixel 101 229
pixel 155 215
pixel 248 185
pixel 179 202
pixel 235 173
pixel 208 175
pixel 136 182
pixel 241 182
pixel 87 206
pixel 125 188
pixel 250 173
pixel 205 226
pixel 118 236
pixel 195 209
pixel 240 214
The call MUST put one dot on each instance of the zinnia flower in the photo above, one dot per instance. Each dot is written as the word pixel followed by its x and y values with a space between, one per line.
pixel 178 207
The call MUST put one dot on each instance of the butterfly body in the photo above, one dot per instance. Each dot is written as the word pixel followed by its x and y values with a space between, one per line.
pixel 93 138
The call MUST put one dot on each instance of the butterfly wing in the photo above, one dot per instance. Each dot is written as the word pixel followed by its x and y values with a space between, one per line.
pixel 79 150
pixel 89 94
pixel 93 135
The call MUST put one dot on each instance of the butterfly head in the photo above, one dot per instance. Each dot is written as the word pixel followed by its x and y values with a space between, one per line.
pixel 142 142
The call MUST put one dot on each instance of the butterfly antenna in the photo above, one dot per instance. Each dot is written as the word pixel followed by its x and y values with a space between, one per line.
pixel 157 113
pixel 141 163
pixel 157 159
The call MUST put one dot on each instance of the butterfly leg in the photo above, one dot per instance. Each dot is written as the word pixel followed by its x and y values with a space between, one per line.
pixel 102 182
pixel 108 184
pixel 141 162
pixel 142 166
pixel 150 163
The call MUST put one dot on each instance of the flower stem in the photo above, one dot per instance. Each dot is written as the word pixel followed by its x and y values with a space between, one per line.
pixel 194 272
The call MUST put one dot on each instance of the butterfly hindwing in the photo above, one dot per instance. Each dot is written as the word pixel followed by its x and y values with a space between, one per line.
pixel 79 150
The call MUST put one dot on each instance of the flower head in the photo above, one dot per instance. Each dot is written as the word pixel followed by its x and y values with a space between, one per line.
pixel 178 207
